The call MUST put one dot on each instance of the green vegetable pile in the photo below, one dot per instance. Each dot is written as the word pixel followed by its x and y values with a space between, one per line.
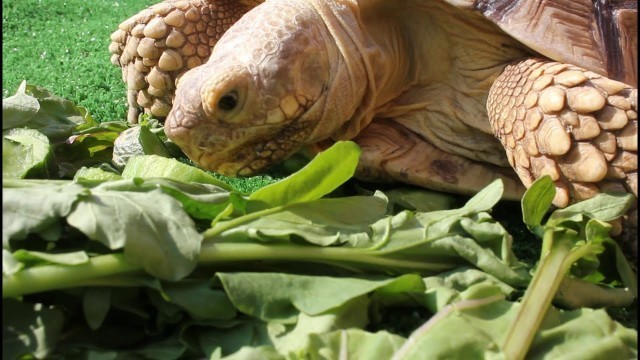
pixel 158 260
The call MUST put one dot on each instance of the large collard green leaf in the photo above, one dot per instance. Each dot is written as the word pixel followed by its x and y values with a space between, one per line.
pixel 154 166
pixel 249 353
pixel 57 116
pixel 604 207
pixel 29 328
pixel 19 109
pixel 32 209
pixel 218 339
pixel 459 284
pixel 289 340
pixel 583 334
pixel 25 152
pixel 95 174
pixel 322 222
pixel 201 201
pixel 152 228
pixel 353 344
pixel 480 326
pixel 416 199
pixel 290 337
pixel 37 108
pixel 200 300
pixel 328 170
pixel 280 297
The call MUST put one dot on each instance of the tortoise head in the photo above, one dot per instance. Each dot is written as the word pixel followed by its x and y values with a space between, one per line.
pixel 262 94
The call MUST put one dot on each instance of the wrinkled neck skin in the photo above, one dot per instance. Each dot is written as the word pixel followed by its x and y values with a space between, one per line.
pixel 361 75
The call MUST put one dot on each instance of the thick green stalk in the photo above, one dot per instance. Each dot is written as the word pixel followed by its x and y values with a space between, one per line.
pixel 53 277
pixel 552 269
pixel 218 253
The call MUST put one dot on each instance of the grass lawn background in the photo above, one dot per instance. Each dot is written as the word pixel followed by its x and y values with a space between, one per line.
pixel 62 45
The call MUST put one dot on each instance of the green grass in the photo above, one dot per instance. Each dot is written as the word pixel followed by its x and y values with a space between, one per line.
pixel 62 45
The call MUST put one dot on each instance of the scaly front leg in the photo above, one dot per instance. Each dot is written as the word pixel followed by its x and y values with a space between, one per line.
pixel 579 127
pixel 156 46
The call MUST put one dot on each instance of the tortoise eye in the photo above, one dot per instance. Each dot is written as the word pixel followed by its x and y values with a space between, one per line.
pixel 228 102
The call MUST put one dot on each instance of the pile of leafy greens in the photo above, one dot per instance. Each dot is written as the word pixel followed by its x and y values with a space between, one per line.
pixel 159 260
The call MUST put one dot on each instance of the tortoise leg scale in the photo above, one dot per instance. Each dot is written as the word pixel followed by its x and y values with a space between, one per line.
pixel 157 45
pixel 576 126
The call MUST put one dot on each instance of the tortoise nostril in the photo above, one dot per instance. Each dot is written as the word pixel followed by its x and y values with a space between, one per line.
pixel 228 102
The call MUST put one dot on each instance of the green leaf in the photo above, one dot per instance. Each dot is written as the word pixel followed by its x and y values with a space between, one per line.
pixel 169 349
pixel 293 339
pixel 200 300
pixel 95 305
pixel 57 116
pixel 259 352
pixel 480 325
pixel 537 200
pixel 460 284
pixel 31 209
pixel 354 344
pixel 328 170
pixel 423 200
pixel 486 198
pixel 152 228
pixel 201 201
pixel 605 207
pixel 19 109
pixel 25 153
pixel 231 337
pixel 96 174
pixel 151 143
pixel 322 222
pixel 40 258
pixel 152 166
pixel 583 334
pixel 279 296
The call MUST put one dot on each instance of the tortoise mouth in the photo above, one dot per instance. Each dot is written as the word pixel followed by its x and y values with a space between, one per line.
pixel 235 150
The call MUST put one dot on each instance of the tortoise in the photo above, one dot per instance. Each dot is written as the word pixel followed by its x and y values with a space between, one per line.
pixel 443 94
